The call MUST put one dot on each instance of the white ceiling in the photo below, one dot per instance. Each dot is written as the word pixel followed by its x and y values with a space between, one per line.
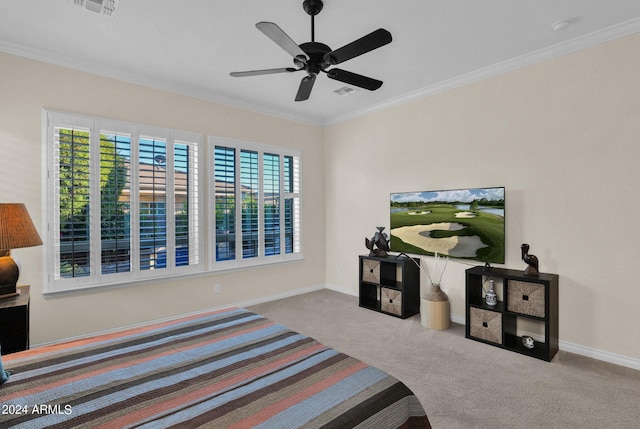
pixel 190 46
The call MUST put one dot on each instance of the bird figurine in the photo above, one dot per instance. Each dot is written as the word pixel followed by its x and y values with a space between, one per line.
pixel 379 240
pixel 531 260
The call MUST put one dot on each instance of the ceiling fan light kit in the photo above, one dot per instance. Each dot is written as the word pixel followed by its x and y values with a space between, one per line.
pixel 315 57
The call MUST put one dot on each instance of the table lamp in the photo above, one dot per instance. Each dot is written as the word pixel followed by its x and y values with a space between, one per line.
pixel 16 230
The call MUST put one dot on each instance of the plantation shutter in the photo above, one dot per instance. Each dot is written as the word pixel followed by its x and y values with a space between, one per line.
pixel 271 204
pixel 72 223
pixel 292 204
pixel 225 203
pixel 250 204
pixel 115 202
pixel 152 180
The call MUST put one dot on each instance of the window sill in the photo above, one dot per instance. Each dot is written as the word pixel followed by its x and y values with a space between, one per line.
pixel 221 267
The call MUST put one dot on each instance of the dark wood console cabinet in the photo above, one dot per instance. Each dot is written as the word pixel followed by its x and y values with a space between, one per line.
pixel 525 304
pixel 390 285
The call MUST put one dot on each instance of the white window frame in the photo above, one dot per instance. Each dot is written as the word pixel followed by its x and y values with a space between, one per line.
pixel 202 216
pixel 261 259
pixel 56 283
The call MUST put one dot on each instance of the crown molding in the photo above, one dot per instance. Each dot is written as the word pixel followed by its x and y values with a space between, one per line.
pixel 576 44
pixel 150 82
pixel 573 45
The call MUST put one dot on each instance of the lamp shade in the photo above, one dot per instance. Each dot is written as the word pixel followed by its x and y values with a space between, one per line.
pixel 16 228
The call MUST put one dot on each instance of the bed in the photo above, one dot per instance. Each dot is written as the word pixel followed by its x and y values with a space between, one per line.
pixel 226 368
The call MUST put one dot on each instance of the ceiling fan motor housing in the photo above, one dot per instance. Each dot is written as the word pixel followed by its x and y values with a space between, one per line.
pixel 316 52
pixel 312 7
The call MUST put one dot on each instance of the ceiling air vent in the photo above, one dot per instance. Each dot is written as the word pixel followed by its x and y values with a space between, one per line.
pixel 345 90
pixel 103 7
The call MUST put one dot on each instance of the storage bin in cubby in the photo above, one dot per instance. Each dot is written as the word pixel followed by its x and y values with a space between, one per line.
pixel 370 271
pixel 526 298
pixel 486 325
pixel 391 301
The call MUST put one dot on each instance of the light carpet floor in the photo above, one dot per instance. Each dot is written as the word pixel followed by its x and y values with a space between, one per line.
pixel 462 383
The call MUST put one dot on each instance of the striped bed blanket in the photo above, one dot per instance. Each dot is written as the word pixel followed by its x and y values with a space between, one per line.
pixel 227 368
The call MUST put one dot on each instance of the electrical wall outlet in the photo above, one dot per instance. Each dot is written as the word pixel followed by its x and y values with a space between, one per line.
pixel 217 288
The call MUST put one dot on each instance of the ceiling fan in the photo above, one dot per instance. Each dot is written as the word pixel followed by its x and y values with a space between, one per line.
pixel 315 57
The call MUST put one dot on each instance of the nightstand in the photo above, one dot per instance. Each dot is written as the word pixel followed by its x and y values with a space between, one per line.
pixel 14 322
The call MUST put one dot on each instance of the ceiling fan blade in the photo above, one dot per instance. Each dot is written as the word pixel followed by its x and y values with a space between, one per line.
pixel 354 79
pixel 275 33
pixel 261 72
pixel 306 85
pixel 371 41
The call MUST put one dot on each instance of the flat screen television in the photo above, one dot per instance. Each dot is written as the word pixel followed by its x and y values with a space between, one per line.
pixel 459 223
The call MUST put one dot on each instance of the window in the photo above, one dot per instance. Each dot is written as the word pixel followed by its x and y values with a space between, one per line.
pixel 123 202
pixel 256 203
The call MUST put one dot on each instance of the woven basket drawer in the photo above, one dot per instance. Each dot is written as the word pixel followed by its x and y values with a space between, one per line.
pixel 370 271
pixel 391 301
pixel 486 325
pixel 526 298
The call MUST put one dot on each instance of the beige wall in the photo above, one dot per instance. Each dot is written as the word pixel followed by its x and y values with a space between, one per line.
pixel 562 136
pixel 26 87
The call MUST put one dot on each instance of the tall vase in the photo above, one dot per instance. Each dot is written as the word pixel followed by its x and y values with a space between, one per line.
pixel 438 310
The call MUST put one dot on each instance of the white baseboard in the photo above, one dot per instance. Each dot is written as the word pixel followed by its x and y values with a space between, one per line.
pixel 578 349
pixel 287 294
pixel 457 319
pixel 336 288
pixel 590 352
pixel 244 303
pixel 602 355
